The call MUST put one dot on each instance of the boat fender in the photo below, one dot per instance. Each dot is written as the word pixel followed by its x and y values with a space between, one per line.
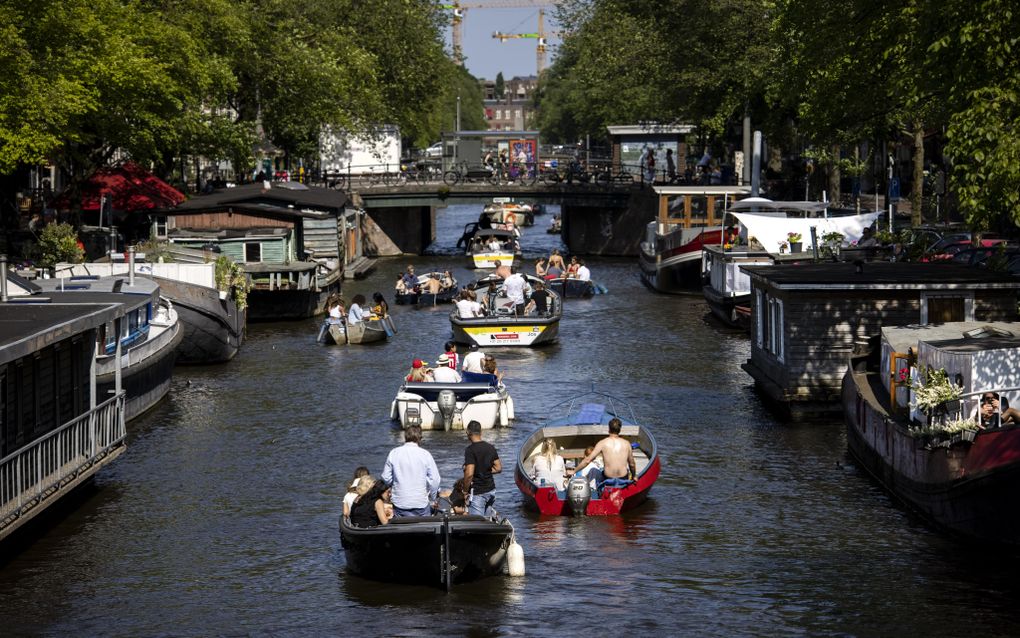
pixel 503 421
pixel 515 558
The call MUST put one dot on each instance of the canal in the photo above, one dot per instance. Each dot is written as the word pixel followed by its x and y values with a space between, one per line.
pixel 221 518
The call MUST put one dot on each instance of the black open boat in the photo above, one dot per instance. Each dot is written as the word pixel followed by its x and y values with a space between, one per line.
pixel 427 550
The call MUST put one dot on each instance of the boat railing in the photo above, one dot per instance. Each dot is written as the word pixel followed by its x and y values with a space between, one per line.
pixel 45 468
pixel 574 403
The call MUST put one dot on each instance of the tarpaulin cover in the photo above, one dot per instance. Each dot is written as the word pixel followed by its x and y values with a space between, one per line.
pixel 771 231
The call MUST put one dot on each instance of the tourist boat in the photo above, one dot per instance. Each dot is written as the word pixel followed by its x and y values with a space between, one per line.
pixel 727 287
pixel 555 227
pixel 688 218
pixel 367 331
pixel 147 343
pixel 451 406
pixel 427 550
pixel 503 328
pixel 501 208
pixel 445 295
pixel 480 255
pixel 961 481
pixel 586 423
pixel 572 287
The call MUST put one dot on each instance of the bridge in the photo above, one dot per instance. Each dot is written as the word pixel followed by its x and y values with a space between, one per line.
pixel 596 219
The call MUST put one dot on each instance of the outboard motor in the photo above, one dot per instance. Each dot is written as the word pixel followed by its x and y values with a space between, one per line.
pixel 447 402
pixel 578 495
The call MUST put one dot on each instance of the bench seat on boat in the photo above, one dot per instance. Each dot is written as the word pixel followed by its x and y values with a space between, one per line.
pixel 429 390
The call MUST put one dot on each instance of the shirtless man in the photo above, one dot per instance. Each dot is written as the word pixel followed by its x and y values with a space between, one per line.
pixel 432 286
pixel 617 455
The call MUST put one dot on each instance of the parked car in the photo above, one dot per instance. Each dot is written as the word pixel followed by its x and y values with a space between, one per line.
pixel 949 252
pixel 981 256
pixel 436 150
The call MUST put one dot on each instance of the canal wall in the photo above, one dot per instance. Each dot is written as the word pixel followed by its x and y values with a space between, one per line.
pixel 605 228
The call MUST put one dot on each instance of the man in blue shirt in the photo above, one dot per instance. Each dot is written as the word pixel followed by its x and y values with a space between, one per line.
pixel 413 474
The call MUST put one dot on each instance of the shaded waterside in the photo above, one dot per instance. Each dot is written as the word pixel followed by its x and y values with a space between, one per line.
pixel 222 516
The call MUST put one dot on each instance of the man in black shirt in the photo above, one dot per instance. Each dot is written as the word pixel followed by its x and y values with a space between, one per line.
pixel 481 461
pixel 539 299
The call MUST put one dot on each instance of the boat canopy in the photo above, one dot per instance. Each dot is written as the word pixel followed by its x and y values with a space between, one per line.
pixel 760 203
pixel 771 231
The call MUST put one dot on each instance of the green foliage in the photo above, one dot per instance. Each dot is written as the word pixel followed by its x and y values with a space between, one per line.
pixel 231 276
pixel 58 243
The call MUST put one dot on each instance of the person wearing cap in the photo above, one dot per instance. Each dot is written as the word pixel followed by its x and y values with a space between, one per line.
pixel 481 461
pixel 443 373
pixel 473 360
pixel 420 373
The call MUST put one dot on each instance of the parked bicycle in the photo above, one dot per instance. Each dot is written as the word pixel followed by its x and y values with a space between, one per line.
pixel 462 173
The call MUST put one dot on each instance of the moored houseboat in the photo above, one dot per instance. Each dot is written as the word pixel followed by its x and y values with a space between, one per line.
pixel 805 320
pixel 287 238
pixel 959 474
pixel 58 429
pixel 687 219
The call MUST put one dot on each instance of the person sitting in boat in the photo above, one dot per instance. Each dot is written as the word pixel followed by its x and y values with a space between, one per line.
pixel 447 281
pixel 452 501
pixel 573 267
pixel 420 373
pixel 583 273
pixel 593 471
pixel 432 286
pixel 617 454
pixel 352 489
pixel 336 310
pixel 540 267
pixel 357 314
pixel 410 280
pixel 400 286
pixel 489 367
pixel 539 300
pixel 473 360
pixel 993 414
pixel 494 245
pixel 467 308
pixel 489 300
pixel 443 373
pixel 484 221
pixel 380 308
pixel 549 467
pixel 450 349
pixel 556 260
pixel 501 271
pixel 373 506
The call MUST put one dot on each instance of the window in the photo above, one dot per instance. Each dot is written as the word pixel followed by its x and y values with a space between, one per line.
pixel 499 114
pixel 159 222
pixel 943 308
pixel 517 113
pixel 253 251
pixel 769 334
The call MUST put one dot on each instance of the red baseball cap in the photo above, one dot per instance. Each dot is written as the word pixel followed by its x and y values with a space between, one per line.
pixel 417 363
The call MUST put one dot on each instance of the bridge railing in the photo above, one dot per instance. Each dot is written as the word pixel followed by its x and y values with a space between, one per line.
pixel 37 472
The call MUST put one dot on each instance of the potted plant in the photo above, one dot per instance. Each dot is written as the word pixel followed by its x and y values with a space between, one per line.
pixel 795 240
pixel 937 394
pixel 831 243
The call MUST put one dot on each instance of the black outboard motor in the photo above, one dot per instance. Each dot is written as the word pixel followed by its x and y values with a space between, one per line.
pixel 578 495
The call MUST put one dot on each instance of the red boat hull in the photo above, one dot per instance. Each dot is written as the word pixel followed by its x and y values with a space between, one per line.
pixel 612 502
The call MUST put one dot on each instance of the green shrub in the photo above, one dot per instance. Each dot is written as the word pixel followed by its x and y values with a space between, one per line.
pixel 59 243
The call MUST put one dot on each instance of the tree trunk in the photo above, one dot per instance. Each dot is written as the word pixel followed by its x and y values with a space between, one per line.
pixel 917 189
pixel 834 176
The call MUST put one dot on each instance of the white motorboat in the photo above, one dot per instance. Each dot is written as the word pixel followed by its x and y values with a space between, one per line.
pixel 451 406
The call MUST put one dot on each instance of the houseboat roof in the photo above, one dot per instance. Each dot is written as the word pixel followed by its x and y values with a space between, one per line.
pixel 27 328
pixel 261 209
pixel 292 196
pixel 956 336
pixel 879 275
pixel 670 191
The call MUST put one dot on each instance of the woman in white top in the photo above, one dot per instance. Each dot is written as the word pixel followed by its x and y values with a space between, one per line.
pixel 549 466
pixel 336 309
pixel 355 314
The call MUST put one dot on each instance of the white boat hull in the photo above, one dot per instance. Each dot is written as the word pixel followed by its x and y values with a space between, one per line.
pixel 490 410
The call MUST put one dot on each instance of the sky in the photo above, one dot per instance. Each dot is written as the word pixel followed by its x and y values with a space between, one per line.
pixel 486 56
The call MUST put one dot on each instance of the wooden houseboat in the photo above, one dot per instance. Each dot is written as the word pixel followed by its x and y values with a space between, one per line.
pixel 287 238
pixel 58 428
pixel 959 473
pixel 687 219
pixel 805 320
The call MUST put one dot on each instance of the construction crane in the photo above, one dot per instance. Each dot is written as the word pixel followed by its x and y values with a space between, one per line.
pixel 459 10
pixel 542 44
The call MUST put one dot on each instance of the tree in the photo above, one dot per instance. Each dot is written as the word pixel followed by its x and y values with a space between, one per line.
pixel 500 86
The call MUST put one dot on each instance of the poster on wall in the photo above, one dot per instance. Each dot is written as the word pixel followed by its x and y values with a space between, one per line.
pixel 524 153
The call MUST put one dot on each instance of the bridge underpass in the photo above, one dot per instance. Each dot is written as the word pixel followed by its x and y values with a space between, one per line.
pixel 597 220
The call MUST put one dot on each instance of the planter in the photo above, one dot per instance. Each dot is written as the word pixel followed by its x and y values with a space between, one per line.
pixel 796 246
pixel 968 435
pixel 223 295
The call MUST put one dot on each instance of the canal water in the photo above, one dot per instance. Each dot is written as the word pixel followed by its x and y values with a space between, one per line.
pixel 221 518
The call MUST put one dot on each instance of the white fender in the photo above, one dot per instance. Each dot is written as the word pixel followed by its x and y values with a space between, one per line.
pixel 393 410
pixel 510 408
pixel 503 422
pixel 515 559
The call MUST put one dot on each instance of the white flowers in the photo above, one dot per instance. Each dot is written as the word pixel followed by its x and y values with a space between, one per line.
pixel 936 390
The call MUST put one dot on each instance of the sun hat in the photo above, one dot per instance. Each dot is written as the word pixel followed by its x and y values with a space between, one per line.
pixel 443 360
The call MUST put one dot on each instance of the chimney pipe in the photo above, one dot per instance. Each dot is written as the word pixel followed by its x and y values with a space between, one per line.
pixel 3 278
pixel 131 265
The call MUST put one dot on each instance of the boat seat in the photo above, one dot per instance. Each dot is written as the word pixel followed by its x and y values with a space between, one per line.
pixel 479 377
pixel 407 520
pixel 430 390
pixel 590 413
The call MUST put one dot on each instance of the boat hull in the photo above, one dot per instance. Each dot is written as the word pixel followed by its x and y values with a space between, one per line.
pixel 968 490
pixel 213 327
pixel 527 331
pixel 727 308
pixel 678 269
pixel 357 333
pixel 412 550
pixel 489 259
pixel 492 408
pixel 568 287
pixel 146 372
pixel 289 305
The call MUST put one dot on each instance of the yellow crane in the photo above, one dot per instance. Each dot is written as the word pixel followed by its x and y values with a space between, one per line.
pixel 541 46
pixel 459 10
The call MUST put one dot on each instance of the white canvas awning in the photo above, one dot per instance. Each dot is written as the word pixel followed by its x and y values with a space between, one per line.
pixel 772 230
